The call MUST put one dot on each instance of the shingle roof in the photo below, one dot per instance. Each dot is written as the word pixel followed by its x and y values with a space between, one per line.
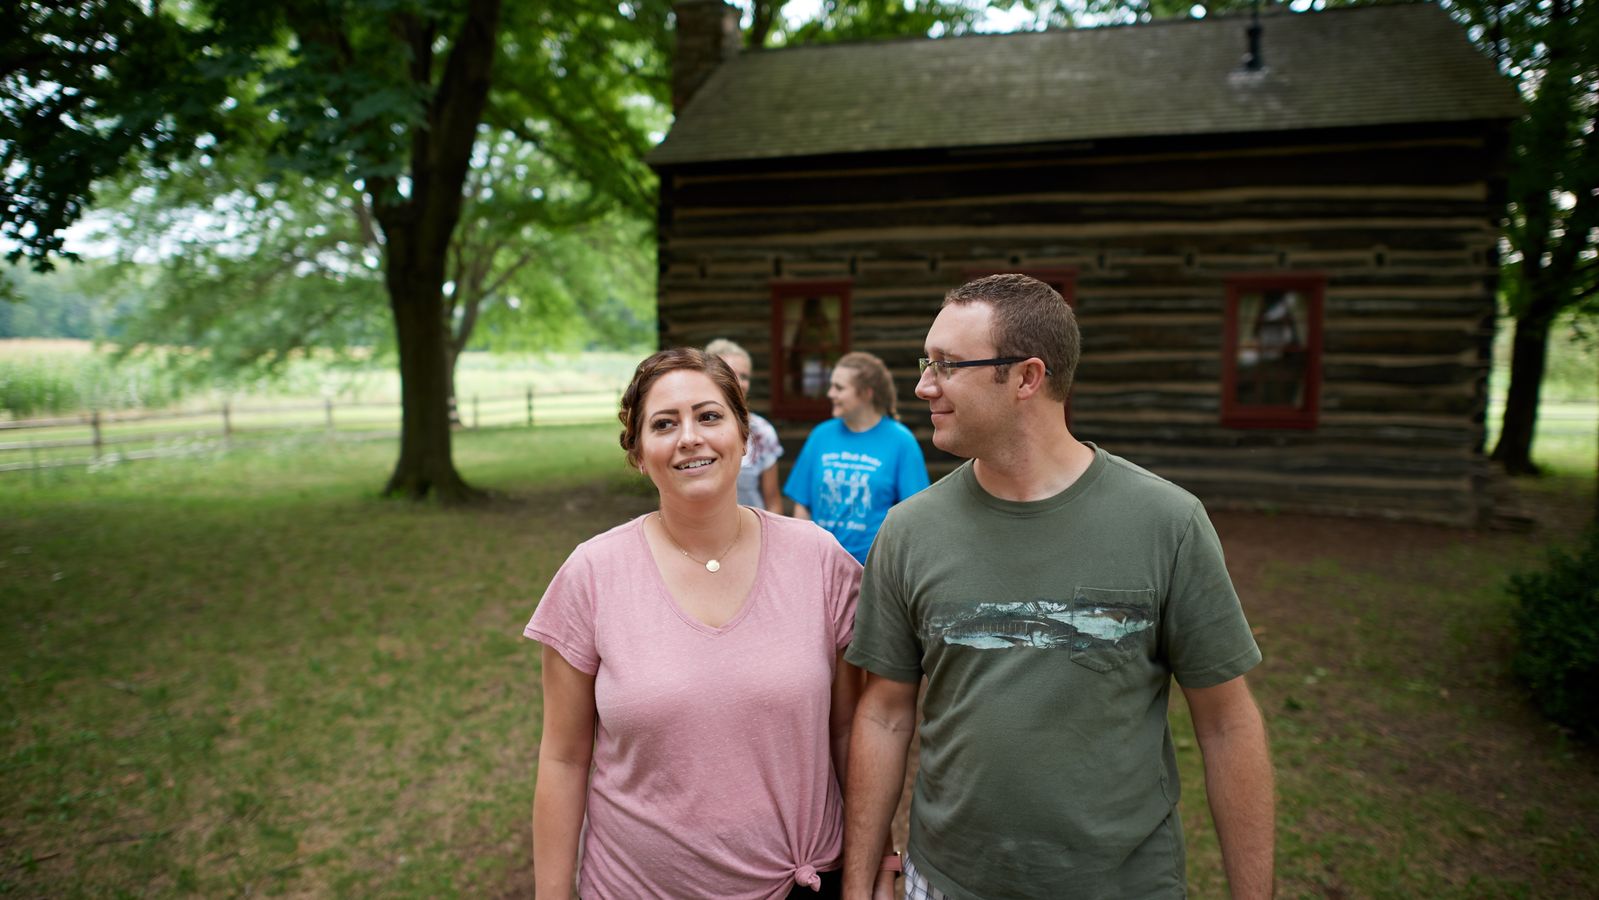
pixel 1356 66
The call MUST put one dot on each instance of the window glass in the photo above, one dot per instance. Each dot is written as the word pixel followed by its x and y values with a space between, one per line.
pixel 1272 362
pixel 1272 350
pixel 812 341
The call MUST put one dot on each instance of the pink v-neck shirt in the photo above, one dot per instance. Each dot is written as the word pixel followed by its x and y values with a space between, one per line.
pixel 712 771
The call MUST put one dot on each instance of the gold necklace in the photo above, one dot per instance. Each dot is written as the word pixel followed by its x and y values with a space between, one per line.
pixel 714 564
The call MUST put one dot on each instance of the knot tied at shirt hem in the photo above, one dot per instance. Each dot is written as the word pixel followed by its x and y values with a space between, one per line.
pixel 807 876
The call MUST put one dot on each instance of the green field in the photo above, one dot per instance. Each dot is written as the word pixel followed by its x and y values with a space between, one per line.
pixel 310 398
pixel 47 377
pixel 1573 365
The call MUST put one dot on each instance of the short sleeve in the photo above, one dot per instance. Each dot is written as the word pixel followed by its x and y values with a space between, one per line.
pixel 912 467
pixel 885 641
pixel 565 617
pixel 843 580
pixel 765 448
pixel 801 484
pixel 1207 638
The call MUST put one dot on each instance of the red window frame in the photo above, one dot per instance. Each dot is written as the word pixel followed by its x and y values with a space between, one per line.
pixel 787 404
pixel 1235 414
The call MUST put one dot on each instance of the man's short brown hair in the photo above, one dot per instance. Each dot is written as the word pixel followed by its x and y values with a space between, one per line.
pixel 1030 319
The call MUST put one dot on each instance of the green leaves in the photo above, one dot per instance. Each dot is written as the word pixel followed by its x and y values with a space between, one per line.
pixel 248 212
pixel 584 83
pixel 86 89
pixel 1551 50
pixel 855 20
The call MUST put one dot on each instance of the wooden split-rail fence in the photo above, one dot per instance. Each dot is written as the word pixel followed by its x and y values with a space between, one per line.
pixel 97 437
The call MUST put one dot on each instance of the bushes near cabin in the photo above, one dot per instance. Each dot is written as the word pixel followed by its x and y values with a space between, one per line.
pixel 1557 636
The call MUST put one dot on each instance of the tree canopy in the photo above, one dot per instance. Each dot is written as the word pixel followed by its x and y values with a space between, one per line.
pixel 294 162
pixel 1552 231
pixel 326 126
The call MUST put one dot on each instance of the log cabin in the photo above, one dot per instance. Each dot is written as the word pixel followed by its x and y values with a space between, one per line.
pixel 1279 234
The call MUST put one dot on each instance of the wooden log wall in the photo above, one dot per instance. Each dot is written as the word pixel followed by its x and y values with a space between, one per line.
pixel 1403 231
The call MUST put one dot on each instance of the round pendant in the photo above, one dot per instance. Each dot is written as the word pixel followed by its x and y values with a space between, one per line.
pixel 713 566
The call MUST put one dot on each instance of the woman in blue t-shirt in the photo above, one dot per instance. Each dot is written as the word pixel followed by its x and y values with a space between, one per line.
pixel 860 462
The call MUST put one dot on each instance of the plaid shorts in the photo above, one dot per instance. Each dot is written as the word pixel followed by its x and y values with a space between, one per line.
pixel 917 887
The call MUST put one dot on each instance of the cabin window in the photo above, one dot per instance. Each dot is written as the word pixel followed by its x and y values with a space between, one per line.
pixel 1271 375
pixel 810 331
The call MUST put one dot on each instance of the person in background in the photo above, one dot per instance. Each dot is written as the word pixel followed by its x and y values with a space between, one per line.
pixel 757 474
pixel 859 463
pixel 696 705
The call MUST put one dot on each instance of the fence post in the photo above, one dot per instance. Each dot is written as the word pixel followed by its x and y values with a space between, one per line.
pixel 327 406
pixel 530 406
pixel 227 421
pixel 94 427
pixel 474 412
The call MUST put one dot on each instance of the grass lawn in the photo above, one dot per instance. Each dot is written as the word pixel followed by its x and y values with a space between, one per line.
pixel 1409 764
pixel 249 675
pixel 244 674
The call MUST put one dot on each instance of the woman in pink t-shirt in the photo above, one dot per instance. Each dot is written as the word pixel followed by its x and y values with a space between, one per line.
pixel 693 658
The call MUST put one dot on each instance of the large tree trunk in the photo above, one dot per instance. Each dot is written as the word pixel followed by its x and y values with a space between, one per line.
pixel 1528 356
pixel 418 230
pixel 426 466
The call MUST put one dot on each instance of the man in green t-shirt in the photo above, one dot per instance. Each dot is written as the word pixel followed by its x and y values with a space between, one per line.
pixel 1049 591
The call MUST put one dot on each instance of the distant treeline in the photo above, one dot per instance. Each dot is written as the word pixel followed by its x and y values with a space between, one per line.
pixel 96 301
pixel 64 303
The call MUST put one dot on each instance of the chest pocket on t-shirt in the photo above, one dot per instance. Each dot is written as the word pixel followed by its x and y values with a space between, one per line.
pixel 1112 626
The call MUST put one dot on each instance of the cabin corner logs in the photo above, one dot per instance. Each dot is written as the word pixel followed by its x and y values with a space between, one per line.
pixel 1387 241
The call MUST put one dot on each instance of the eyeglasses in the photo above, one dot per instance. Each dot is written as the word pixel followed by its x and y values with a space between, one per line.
pixel 944 366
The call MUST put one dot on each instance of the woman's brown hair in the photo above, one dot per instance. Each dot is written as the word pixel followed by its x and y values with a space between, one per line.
pixel 871 374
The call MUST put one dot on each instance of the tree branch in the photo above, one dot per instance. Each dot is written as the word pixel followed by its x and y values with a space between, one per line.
pixel 763 15
pixel 363 219
pixel 455 113
pixel 506 274
pixel 1584 216
pixel 634 194
pixel 329 35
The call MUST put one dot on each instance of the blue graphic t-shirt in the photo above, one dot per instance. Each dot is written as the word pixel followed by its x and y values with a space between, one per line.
pixel 848 480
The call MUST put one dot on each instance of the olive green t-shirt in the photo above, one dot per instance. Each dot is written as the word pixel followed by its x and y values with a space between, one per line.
pixel 1049 632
